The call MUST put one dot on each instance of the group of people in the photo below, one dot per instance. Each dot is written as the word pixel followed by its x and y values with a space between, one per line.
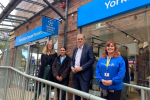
pixel 110 69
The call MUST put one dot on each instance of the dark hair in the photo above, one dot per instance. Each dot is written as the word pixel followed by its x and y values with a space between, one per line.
pixel 63 47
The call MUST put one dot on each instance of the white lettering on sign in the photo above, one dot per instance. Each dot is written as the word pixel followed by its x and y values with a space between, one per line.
pixel 113 3
pixel 123 0
pixel 31 36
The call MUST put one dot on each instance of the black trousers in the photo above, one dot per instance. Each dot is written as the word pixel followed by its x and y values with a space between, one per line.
pixel 132 76
pixel 113 95
pixel 63 93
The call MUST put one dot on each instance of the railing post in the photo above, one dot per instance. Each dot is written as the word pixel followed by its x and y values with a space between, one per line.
pixel 142 95
pixel 6 82
pixel 147 95
pixel 23 90
pixel 55 89
pixel 23 83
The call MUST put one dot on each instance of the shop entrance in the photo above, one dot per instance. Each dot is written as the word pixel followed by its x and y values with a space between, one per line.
pixel 35 57
pixel 28 56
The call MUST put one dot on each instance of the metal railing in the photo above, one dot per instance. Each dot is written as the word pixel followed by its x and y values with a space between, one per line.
pixel 145 91
pixel 16 85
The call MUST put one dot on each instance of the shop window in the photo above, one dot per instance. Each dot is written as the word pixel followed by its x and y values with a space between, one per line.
pixel 21 57
pixel 131 34
pixel 6 57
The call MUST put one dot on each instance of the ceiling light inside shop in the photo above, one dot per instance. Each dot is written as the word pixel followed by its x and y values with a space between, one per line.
pixel 134 39
pixel 127 35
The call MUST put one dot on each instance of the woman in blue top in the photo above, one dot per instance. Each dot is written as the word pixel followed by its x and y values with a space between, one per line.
pixel 110 72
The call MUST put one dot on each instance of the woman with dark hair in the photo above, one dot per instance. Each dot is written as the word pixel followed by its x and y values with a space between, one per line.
pixel 47 60
pixel 61 70
pixel 110 72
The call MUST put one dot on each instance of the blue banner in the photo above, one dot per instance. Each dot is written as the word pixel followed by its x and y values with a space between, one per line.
pixel 50 25
pixel 39 32
pixel 99 10
pixel 32 35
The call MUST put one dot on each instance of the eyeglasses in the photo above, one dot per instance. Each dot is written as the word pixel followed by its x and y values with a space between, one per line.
pixel 49 45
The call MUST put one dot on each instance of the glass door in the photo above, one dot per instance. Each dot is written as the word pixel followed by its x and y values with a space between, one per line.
pixel 35 58
pixel 33 61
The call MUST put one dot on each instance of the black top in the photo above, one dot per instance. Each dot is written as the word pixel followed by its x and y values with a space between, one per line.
pixel 51 59
pixel 126 77
pixel 47 60
pixel 63 69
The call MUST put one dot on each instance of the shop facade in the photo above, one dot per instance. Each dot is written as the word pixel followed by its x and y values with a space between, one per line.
pixel 29 46
pixel 127 23
pixel 26 57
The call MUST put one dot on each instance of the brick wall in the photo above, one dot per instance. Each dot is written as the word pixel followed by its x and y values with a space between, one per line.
pixel 12 57
pixel 72 29
pixel 125 22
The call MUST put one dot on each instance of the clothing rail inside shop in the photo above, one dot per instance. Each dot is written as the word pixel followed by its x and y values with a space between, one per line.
pixel 16 85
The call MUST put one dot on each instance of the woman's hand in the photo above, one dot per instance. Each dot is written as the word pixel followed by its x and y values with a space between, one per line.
pixel 59 78
pixel 109 82
pixel 106 82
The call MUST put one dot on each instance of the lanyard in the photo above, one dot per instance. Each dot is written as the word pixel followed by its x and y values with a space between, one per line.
pixel 62 59
pixel 108 60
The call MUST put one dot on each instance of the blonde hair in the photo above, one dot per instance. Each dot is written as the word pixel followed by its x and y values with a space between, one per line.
pixel 45 50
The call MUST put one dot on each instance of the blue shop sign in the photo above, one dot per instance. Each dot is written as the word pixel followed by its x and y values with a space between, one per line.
pixel 38 33
pixel 99 10
pixel 50 25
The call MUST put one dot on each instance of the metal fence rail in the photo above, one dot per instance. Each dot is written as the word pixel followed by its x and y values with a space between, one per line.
pixel 16 85
pixel 144 90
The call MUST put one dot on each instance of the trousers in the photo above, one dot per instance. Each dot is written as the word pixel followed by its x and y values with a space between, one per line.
pixel 46 77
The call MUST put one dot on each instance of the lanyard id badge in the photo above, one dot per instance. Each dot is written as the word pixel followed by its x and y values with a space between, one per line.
pixel 106 74
pixel 108 60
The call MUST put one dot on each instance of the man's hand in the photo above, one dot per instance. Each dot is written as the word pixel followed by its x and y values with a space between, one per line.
pixel 73 70
pixel 78 69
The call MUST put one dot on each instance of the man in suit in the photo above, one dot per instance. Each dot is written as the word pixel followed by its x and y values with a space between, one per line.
pixel 81 65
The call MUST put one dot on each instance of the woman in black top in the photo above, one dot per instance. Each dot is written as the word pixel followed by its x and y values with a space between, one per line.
pixel 61 70
pixel 47 60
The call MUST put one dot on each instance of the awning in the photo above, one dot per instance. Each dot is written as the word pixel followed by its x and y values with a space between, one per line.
pixel 16 13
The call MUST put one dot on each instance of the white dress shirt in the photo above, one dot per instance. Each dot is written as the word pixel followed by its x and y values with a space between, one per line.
pixel 78 57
